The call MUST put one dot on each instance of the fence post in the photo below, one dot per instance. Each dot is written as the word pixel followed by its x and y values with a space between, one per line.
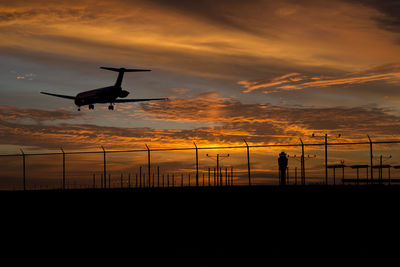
pixel 217 169
pixel 104 168
pixel 148 162
pixel 23 170
pixel 302 164
pixel 326 159
pixel 248 161
pixel 63 168
pixel 371 158
pixel 197 165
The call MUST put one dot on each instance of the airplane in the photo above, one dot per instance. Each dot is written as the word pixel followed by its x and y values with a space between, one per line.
pixel 108 94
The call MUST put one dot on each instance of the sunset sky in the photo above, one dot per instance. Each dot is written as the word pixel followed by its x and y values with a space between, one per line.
pixel 266 71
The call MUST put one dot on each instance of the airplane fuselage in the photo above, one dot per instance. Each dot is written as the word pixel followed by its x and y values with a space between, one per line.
pixel 101 95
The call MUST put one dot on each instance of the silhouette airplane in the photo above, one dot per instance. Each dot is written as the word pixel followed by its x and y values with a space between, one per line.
pixel 106 94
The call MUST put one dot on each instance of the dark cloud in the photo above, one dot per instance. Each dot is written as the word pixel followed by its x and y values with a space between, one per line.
pixel 390 9
pixel 226 13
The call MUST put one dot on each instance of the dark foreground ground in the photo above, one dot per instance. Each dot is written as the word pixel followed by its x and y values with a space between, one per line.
pixel 246 226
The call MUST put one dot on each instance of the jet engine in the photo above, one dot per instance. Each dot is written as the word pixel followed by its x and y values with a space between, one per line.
pixel 123 94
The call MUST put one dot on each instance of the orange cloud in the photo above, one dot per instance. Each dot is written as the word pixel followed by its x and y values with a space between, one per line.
pixel 299 82
pixel 210 39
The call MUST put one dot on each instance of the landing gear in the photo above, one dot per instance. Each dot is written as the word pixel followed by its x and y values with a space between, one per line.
pixel 110 107
pixel 79 108
pixel 91 106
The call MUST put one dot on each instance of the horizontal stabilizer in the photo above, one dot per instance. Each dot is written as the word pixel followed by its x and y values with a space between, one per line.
pixel 62 96
pixel 137 100
pixel 123 69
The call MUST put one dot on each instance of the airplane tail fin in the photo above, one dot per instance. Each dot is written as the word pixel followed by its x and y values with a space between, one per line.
pixel 121 72
pixel 123 69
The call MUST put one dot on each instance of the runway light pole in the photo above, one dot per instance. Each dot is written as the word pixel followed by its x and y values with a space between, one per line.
pixel 23 170
pixel 248 161
pixel 371 158
pixel 63 170
pixel 326 154
pixel 197 165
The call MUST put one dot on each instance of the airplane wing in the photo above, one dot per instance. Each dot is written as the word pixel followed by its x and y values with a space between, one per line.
pixel 137 100
pixel 63 96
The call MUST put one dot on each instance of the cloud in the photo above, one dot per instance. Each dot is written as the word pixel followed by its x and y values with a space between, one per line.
pixel 233 121
pixel 10 113
pixel 296 81
pixel 224 39
pixel 389 17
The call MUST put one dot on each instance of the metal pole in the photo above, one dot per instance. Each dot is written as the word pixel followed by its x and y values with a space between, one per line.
pixel 148 162
pixel 326 158
pixel 248 161
pixel 380 170
pixel 371 159
pixel 23 170
pixel 197 165
pixel 63 170
pixel 105 168
pixel 302 164
pixel 217 169
pixel 129 180
pixel 122 181
pixel 158 176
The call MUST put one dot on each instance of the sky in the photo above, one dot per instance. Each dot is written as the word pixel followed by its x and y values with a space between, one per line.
pixel 266 71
